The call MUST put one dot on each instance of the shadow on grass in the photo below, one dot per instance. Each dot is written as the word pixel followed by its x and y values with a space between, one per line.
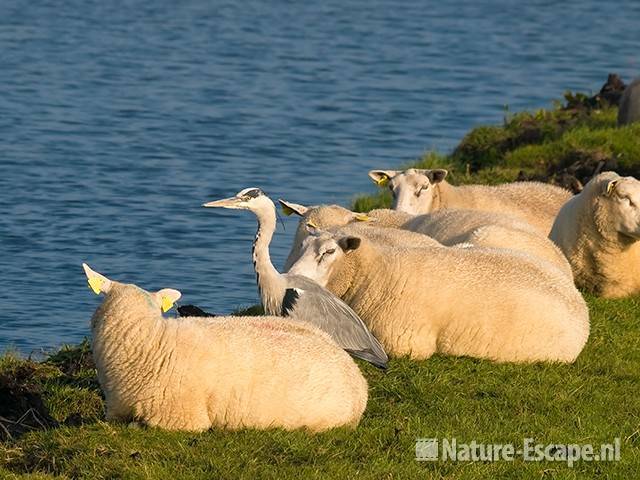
pixel 40 395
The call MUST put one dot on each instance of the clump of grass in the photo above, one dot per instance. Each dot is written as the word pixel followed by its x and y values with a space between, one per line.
pixel 61 390
pixel 365 203
pixel 491 146
pixel 22 406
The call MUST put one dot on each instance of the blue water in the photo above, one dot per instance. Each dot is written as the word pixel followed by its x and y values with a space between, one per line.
pixel 119 119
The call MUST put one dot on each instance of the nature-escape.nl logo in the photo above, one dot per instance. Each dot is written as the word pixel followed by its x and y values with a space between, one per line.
pixel 449 449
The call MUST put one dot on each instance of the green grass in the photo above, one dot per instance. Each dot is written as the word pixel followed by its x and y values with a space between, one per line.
pixel 592 401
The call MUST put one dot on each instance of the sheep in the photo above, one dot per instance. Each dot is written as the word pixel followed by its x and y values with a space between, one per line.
pixel 448 227
pixel 193 373
pixel 629 110
pixel 488 229
pixel 598 230
pixel 419 191
pixel 325 216
pixel 487 303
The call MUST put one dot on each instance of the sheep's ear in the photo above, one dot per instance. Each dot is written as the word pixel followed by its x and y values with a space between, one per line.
pixel 362 217
pixel 289 208
pixel 611 187
pixel 98 283
pixel 349 243
pixel 167 297
pixel 382 177
pixel 436 175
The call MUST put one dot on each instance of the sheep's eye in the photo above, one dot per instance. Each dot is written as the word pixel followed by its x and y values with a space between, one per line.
pixel 393 193
pixel 327 252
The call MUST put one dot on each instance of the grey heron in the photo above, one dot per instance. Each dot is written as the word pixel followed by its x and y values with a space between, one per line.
pixel 296 296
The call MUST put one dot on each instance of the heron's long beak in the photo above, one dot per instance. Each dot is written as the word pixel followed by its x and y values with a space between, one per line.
pixel 232 202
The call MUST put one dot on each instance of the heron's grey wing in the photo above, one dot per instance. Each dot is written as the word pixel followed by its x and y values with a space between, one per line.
pixel 306 300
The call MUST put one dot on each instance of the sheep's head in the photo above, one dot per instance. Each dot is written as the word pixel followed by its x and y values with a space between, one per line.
pixel 162 299
pixel 322 217
pixel 322 252
pixel 412 189
pixel 620 197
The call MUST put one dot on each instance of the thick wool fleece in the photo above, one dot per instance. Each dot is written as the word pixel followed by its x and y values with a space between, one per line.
pixel 232 372
pixel 480 302
pixel 488 229
pixel 604 261
pixel 533 202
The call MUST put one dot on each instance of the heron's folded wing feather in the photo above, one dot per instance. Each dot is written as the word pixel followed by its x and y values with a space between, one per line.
pixel 310 302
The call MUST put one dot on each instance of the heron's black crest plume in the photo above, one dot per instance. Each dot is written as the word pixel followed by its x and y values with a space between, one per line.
pixel 253 193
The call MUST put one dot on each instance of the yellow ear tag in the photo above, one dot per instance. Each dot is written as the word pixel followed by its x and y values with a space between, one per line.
pixel 381 182
pixel 166 304
pixel 611 187
pixel 361 217
pixel 95 283
pixel 287 210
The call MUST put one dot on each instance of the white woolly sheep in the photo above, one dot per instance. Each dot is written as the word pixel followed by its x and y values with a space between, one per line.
pixel 419 191
pixel 629 110
pixel 448 227
pixel 193 373
pixel 326 216
pixel 488 229
pixel 598 230
pixel 486 303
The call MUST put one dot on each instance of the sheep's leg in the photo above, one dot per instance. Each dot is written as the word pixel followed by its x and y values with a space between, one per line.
pixel 417 347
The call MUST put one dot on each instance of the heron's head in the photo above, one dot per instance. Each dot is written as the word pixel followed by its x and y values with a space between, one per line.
pixel 251 198
pixel 412 189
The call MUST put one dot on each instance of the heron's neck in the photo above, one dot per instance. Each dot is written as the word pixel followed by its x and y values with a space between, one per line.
pixel 271 284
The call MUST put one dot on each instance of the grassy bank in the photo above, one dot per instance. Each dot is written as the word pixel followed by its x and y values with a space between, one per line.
pixel 53 418
pixel 592 401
